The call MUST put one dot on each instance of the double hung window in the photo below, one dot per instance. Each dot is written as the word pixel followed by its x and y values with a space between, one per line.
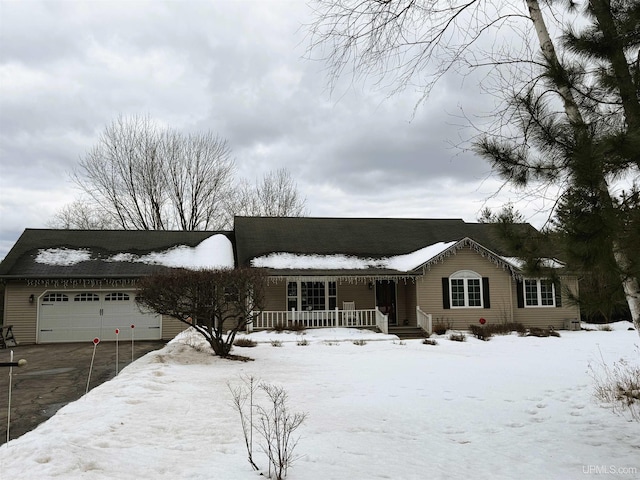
pixel 466 289
pixel 539 293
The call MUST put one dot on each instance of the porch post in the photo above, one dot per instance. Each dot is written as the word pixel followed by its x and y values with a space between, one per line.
pixel 335 320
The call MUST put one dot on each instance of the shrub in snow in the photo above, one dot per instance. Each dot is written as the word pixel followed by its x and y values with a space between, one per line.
pixel 618 386
pixel 542 332
pixel 441 326
pixel 458 337
pixel 288 327
pixel 480 332
pixel 245 342
pixel 274 423
pixel 605 328
pixel 430 341
pixel 302 342
pixel 360 342
pixel 485 332
pixel 216 303
pixel 505 328
pixel 241 395
pixel 276 343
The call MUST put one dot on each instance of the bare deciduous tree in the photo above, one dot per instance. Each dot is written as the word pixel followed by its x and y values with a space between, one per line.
pixel 150 178
pixel 198 188
pixel 275 195
pixel 82 214
pixel 141 176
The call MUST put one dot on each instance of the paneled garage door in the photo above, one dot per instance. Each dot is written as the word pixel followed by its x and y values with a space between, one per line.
pixel 83 316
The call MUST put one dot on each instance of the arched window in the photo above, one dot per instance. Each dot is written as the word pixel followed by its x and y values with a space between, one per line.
pixel 465 289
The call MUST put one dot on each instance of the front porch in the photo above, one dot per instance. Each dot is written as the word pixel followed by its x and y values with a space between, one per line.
pixel 347 318
pixel 368 318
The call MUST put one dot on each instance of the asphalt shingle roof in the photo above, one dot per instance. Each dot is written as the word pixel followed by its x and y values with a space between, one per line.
pixel 20 261
pixel 253 237
pixel 366 237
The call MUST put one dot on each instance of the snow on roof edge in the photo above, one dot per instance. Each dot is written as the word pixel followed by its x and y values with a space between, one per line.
pixel 215 251
pixel 400 263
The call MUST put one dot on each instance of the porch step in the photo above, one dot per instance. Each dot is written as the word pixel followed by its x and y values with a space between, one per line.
pixel 407 332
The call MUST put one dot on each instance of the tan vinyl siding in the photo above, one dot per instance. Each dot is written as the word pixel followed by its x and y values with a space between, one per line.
pixel 429 291
pixel 20 313
pixel 357 292
pixel 171 327
pixel 503 296
pixel 275 295
pixel 543 317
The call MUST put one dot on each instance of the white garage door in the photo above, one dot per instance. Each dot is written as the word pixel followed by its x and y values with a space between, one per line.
pixel 83 316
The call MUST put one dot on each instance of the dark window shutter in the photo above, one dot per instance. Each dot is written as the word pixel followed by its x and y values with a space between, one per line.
pixel 446 304
pixel 558 289
pixel 520 293
pixel 486 297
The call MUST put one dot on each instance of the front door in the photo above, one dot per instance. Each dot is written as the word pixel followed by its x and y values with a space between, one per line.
pixel 386 298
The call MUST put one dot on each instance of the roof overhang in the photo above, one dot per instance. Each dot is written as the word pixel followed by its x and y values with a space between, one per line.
pixel 484 252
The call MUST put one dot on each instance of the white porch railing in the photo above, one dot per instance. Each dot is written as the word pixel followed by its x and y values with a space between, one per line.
pixel 321 319
pixel 382 321
pixel 424 320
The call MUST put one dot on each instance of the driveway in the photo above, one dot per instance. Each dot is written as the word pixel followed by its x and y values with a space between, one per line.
pixel 55 375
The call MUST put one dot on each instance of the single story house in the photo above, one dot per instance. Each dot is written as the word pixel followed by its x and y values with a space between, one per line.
pixel 389 273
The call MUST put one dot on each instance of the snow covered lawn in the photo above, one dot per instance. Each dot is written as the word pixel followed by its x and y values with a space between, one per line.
pixel 510 408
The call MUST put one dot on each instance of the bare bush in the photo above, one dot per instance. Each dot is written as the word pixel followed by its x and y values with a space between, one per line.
pixel 275 424
pixel 241 395
pixel 618 386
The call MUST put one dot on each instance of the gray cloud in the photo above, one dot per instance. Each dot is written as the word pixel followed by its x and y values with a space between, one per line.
pixel 237 68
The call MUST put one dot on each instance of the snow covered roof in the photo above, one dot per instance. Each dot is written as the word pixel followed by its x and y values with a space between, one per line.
pixel 544 262
pixel 213 252
pixel 401 263
pixel 114 253
pixel 286 246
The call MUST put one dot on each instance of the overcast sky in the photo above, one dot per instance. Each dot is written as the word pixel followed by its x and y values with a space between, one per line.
pixel 237 68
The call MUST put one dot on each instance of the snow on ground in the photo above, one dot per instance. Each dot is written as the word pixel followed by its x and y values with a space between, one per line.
pixel 509 408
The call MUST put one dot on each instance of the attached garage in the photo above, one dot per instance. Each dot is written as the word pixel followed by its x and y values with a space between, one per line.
pixel 82 316
pixel 77 285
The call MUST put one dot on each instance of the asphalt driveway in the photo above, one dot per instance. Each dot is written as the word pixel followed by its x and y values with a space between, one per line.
pixel 55 375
